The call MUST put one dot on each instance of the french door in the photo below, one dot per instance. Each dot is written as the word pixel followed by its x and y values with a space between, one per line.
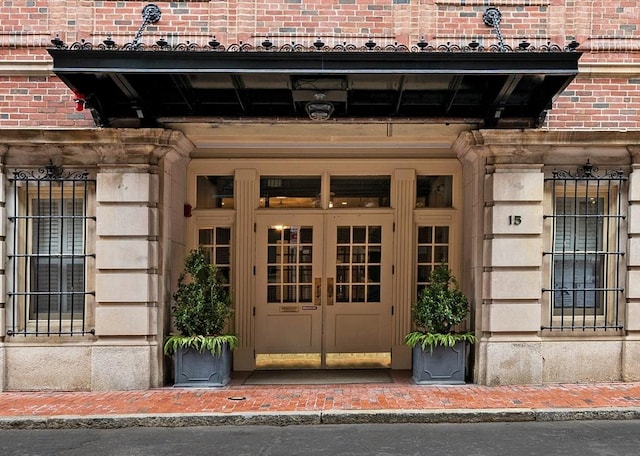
pixel 323 286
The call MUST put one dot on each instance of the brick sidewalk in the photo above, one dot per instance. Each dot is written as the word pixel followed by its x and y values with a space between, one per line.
pixel 400 395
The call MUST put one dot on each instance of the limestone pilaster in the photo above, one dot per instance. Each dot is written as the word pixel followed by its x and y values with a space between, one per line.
pixel 404 202
pixel 245 192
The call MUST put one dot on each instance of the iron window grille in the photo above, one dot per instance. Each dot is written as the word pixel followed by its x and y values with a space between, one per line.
pixel 585 259
pixel 49 221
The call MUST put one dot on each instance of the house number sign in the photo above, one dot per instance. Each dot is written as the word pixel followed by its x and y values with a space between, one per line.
pixel 515 219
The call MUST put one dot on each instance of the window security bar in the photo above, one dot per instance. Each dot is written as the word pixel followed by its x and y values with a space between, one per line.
pixel 585 257
pixel 48 257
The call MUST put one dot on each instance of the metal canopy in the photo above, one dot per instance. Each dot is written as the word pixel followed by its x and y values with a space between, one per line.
pixel 153 87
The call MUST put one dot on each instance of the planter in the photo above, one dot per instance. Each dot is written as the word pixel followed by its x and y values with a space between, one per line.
pixel 202 369
pixel 445 365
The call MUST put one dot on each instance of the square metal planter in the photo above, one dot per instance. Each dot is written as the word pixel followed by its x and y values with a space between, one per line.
pixel 443 365
pixel 196 369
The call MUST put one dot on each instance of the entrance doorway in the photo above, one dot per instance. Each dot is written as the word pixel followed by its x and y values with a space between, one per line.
pixel 323 290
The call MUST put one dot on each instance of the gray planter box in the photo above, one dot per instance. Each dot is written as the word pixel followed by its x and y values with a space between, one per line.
pixel 445 365
pixel 193 368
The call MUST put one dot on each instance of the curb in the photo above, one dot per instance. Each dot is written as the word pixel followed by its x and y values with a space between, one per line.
pixel 317 418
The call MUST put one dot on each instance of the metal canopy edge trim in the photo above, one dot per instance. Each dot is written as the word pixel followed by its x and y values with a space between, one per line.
pixel 99 61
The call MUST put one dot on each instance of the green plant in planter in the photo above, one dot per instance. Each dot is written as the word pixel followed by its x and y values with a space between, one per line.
pixel 202 308
pixel 440 307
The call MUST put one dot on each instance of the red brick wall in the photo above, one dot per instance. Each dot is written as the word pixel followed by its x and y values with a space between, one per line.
pixel 607 30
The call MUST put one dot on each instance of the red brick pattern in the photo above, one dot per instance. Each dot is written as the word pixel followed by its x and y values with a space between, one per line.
pixel 400 395
pixel 608 30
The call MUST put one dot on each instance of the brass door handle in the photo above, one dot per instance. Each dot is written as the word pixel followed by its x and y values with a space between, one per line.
pixel 317 283
pixel 330 291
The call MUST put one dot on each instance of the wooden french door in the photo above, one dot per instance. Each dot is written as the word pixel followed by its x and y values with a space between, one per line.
pixel 324 285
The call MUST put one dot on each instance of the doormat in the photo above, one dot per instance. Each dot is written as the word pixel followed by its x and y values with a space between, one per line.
pixel 318 377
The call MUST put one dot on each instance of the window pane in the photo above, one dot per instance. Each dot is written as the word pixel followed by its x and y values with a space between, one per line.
pixel 214 192
pixel 442 234
pixel 425 234
pixel 434 191
pixel 432 249
pixel 223 236
pixel 359 191
pixel 290 192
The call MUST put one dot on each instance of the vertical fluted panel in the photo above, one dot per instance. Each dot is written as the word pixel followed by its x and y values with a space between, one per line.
pixel 244 280
pixel 403 288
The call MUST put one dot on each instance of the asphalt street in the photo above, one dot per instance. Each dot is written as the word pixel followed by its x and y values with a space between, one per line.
pixel 565 438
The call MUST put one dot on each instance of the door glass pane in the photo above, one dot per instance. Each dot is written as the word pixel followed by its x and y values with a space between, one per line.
pixel 375 234
pixel 344 234
pixel 358 268
pixel 289 259
pixel 357 273
pixel 359 233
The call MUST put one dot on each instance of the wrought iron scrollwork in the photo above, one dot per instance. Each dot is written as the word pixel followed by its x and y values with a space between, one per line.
pixel 50 173
pixel 589 171
pixel 492 17
pixel 150 15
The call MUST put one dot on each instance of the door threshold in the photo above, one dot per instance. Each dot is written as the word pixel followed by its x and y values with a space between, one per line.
pixel 338 361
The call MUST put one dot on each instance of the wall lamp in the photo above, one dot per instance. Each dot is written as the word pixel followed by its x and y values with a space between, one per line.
pixel 320 108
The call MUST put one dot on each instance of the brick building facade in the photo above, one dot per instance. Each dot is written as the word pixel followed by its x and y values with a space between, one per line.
pixel 554 297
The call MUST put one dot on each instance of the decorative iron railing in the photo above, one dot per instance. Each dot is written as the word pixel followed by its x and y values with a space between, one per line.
pixel 152 14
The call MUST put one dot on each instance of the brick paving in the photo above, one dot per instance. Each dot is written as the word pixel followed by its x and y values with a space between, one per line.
pixel 399 395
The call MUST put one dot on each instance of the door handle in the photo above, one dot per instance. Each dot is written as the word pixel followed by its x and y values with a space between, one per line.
pixel 330 291
pixel 317 299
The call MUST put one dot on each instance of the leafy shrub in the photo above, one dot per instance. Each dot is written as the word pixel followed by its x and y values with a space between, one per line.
pixel 440 307
pixel 202 307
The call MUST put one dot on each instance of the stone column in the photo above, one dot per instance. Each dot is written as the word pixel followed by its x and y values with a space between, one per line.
pixel 503 241
pixel 631 344
pixel 512 264
pixel 126 276
pixel 130 247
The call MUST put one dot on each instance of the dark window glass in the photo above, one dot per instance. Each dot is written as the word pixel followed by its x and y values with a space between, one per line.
pixel 360 191
pixel 290 192
pixel 434 191
pixel 214 192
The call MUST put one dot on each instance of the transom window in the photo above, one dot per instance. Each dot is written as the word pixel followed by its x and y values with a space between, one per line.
pixel 361 192
pixel 586 250
pixel 434 191
pixel 279 192
pixel 214 192
pixel 49 220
